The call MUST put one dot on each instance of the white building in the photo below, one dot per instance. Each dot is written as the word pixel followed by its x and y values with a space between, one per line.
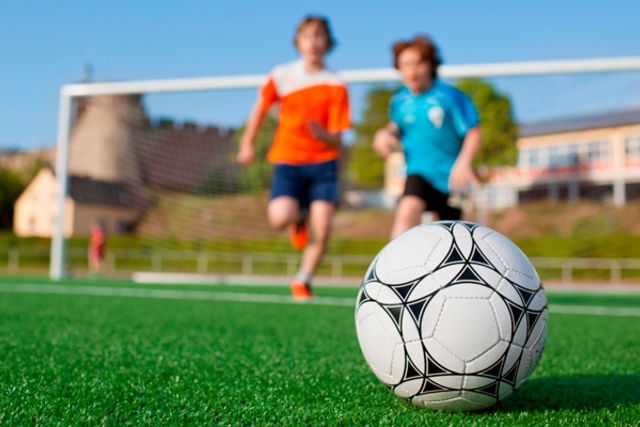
pixel 595 156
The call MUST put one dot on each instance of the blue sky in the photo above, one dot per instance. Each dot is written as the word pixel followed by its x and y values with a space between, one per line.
pixel 44 44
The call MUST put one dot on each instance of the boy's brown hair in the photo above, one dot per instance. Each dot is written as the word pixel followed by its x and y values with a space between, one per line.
pixel 324 26
pixel 424 45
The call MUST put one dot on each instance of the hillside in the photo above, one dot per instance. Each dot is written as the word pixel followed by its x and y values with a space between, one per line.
pixel 239 217
pixel 565 219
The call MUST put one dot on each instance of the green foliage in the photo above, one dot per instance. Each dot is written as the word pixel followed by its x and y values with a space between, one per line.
pixel 499 129
pixel 11 186
pixel 365 168
pixel 258 176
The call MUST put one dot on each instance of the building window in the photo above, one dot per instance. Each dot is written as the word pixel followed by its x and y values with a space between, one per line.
pixel 563 156
pixel 572 156
pixel 597 151
pixel 529 158
pixel 555 157
pixel 632 147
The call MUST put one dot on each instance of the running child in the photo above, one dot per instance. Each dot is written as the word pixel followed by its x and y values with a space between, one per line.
pixel 313 113
pixel 437 127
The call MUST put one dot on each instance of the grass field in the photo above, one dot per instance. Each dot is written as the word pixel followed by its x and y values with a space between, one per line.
pixel 109 352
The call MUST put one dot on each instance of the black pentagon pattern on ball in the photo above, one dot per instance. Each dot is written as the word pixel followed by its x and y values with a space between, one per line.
pixel 435 369
pixel 477 258
pixel 525 294
pixel 431 387
pixel 395 311
pixel 495 370
pixel 510 377
pixel 371 274
pixel 516 313
pixel 416 308
pixel 370 277
pixel 453 257
pixel 363 297
pixel 404 290
pixel 411 372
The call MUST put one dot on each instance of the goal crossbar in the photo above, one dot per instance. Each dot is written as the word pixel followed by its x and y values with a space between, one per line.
pixel 354 76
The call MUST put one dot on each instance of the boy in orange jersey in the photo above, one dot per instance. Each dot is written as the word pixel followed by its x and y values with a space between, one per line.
pixel 314 111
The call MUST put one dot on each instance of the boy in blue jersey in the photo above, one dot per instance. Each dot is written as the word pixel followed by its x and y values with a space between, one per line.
pixel 437 127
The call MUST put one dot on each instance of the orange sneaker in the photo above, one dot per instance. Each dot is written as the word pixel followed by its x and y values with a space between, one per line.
pixel 298 235
pixel 301 291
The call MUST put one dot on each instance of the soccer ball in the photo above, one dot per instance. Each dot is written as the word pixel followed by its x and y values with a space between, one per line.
pixel 451 315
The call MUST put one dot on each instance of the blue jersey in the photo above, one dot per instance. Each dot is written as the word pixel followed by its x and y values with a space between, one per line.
pixel 433 126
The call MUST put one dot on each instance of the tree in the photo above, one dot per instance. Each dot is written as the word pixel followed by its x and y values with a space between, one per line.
pixel 366 169
pixel 499 129
pixel 11 186
pixel 258 175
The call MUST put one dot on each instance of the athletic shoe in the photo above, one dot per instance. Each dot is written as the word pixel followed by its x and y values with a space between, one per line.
pixel 301 291
pixel 298 236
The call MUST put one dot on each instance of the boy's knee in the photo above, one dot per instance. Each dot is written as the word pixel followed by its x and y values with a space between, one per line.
pixel 278 221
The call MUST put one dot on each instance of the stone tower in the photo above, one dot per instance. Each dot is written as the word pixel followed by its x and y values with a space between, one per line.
pixel 105 137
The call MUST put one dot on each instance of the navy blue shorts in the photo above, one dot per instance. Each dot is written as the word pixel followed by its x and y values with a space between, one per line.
pixel 307 183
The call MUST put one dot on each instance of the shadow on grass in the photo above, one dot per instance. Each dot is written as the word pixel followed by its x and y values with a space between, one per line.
pixel 585 392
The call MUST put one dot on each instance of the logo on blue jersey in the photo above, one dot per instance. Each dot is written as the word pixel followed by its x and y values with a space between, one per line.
pixel 436 116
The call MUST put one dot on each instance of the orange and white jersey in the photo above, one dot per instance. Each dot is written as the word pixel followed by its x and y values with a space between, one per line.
pixel 304 96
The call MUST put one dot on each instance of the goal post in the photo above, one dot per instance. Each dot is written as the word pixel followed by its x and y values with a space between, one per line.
pixel 71 94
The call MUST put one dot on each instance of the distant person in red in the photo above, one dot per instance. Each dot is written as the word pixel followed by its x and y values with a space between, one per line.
pixel 97 243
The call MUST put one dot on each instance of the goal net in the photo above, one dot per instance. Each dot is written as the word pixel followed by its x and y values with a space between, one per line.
pixel 154 164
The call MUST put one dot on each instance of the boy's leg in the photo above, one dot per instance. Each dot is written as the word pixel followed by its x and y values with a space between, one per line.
pixel 320 219
pixel 408 214
pixel 288 199
pixel 282 211
pixel 323 194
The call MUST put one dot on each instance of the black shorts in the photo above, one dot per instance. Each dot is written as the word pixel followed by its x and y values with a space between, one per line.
pixel 436 201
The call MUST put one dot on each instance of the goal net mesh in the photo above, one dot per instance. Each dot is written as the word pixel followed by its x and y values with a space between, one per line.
pixel 158 171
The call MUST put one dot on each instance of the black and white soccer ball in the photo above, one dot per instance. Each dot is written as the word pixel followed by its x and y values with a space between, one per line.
pixel 452 315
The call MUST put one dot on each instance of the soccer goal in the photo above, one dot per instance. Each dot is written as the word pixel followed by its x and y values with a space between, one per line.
pixel 153 164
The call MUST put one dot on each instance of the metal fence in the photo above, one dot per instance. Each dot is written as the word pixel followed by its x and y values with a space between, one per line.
pixel 124 261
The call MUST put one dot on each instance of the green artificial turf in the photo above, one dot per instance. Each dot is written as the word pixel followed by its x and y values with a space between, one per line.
pixel 77 359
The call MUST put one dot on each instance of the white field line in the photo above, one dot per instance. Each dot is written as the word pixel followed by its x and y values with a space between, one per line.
pixel 168 294
pixel 261 298
pixel 594 310
pixel 190 279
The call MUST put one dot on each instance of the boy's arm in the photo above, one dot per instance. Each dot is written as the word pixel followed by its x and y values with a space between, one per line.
pixel 319 132
pixel 386 139
pixel 246 153
pixel 461 172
